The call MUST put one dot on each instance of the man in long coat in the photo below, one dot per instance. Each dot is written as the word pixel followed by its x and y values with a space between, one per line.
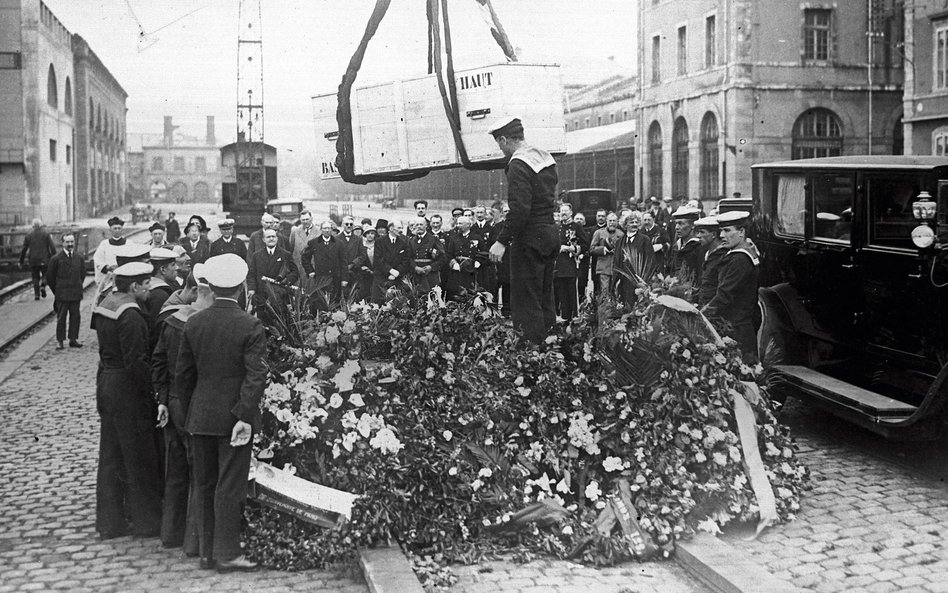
pixel 67 271
pixel 324 265
pixel 38 245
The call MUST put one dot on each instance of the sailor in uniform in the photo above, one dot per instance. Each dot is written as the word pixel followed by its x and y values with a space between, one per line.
pixel 163 283
pixel 707 230
pixel 735 299
pixel 687 254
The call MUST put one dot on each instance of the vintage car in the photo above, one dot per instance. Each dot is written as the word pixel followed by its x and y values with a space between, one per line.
pixel 588 200
pixel 853 287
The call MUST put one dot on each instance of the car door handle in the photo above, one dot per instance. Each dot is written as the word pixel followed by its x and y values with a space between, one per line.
pixel 849 266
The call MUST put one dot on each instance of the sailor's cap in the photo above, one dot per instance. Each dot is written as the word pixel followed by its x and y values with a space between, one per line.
pixel 161 256
pixel 506 125
pixel 225 223
pixel 708 222
pixel 225 271
pixel 134 269
pixel 687 213
pixel 131 252
pixel 199 271
pixel 733 217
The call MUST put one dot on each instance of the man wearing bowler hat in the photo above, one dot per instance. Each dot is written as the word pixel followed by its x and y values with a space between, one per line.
pixel 221 371
pixel 530 232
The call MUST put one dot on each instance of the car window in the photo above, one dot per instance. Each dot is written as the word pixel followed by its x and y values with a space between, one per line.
pixel 791 205
pixel 832 206
pixel 890 200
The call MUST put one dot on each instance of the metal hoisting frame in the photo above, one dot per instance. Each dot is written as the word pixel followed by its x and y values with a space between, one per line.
pixel 250 173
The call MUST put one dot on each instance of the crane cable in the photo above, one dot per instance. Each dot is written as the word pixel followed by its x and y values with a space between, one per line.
pixel 345 159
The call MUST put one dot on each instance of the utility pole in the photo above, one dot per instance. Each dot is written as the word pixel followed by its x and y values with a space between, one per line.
pixel 251 176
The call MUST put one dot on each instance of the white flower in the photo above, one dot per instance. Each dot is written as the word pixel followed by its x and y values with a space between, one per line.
pixel 476 485
pixel 429 373
pixel 356 400
pixel 700 457
pixel 518 381
pixel 277 392
pixel 567 530
pixel 600 504
pixel 386 441
pixel 453 471
pixel 592 491
pixel 734 452
pixel 720 458
pixel 542 482
pixel 771 450
pixel 523 391
pixel 348 327
pixel 323 362
pixel 612 464
pixel 709 526
pixel 339 316
pixel 783 492
pixel 485 473
pixel 332 334
pixel 284 415
pixel 447 435
pixel 563 486
pixel 289 468
pixel 335 400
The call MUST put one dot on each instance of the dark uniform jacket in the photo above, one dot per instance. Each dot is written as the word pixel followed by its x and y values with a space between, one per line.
pixel 124 357
pixel 65 276
pixel 256 242
pixel 279 266
pixel 736 297
pixel 199 253
pixel 658 237
pixel 687 257
pixel 463 251
pixel 39 245
pixel 426 251
pixel 164 361
pixel 486 233
pixel 531 196
pixel 567 264
pixel 350 250
pixel 709 273
pixel 235 246
pixel 502 268
pixel 397 253
pixel 221 369
pixel 172 231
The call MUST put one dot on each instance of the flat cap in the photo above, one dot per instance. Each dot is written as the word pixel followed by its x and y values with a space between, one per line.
pixel 133 269
pixel 505 126
pixel 687 213
pixel 161 256
pixel 381 224
pixel 225 223
pixel 131 252
pixel 733 217
pixel 225 271
pixel 157 226
pixel 708 222
pixel 115 220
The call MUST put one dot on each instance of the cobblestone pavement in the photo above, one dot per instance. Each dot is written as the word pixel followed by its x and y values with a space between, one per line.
pixel 544 576
pixel 49 431
pixel 867 525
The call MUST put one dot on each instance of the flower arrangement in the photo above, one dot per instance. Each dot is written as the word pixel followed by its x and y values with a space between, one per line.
pixel 459 436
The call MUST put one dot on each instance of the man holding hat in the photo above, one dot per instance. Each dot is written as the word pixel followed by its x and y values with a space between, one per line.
pixel 221 371
pixel 227 243
pixel 530 232
pixel 128 478
pixel 104 257
pixel 686 252
pixel 707 230
pixel 735 299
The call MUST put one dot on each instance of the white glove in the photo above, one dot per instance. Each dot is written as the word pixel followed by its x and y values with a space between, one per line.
pixel 456 267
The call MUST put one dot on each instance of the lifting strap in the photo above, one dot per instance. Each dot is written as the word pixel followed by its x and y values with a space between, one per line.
pixel 345 159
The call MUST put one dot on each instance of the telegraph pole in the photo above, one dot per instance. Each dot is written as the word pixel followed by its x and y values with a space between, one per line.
pixel 251 176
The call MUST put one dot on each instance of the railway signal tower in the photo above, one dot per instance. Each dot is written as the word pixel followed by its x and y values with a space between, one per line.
pixel 251 176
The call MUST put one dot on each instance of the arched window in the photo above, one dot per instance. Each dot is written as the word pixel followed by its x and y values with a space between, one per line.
pixel 817 133
pixel 680 158
pixel 201 192
pixel 91 114
pixel 655 159
pixel 52 91
pixel 708 170
pixel 940 141
pixel 67 99
pixel 179 192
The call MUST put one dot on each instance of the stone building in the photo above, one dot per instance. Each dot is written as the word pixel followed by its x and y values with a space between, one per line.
pixel 724 84
pixel 926 78
pixel 180 169
pixel 100 134
pixel 37 118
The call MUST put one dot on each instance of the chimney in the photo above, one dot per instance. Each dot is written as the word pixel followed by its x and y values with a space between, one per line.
pixel 169 132
pixel 211 139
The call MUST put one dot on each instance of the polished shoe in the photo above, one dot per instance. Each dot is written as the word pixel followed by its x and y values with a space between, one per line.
pixel 59 346
pixel 74 344
pixel 238 564
pixel 207 564
pixel 43 292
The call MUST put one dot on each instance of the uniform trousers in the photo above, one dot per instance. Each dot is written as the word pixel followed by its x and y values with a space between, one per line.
pixel 65 309
pixel 564 292
pixel 531 284
pixel 220 475
pixel 127 481
pixel 178 524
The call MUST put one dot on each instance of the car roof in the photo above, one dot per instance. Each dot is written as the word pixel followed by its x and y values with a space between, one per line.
pixel 917 162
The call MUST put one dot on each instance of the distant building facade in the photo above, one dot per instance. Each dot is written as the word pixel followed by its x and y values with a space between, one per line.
pixel 606 102
pixel 926 78
pixel 179 169
pixel 37 118
pixel 724 84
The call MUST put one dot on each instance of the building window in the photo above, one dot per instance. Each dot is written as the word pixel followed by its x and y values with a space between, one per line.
pixel 10 60
pixel 598 120
pixel 625 114
pixel 682 51
pixel 656 59
pixel 200 164
pixel 680 159
pixel 816 33
pixel 655 159
pixel 52 91
pixel 179 192
pixel 157 164
pixel 817 133
pixel 940 141
pixel 612 118
pixel 67 99
pixel 68 154
pixel 91 114
pixel 710 42
pixel 52 150
pixel 940 60
pixel 708 171
pixel 179 163
pixel 202 192
pixel 586 123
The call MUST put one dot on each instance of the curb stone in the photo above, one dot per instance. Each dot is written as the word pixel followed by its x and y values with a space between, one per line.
pixel 386 570
pixel 726 569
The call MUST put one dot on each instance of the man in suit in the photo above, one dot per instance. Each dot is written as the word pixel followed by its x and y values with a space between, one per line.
pixel 221 371
pixel 128 481
pixel 371 268
pixel 530 232
pixel 566 269
pixel 157 231
pixel 300 235
pixel 461 252
pixel 66 272
pixel 396 245
pixel 271 262
pixel 349 243
pixel 267 221
pixel 39 245
pixel 172 229
pixel 196 245
pixel 227 242
pixel 324 265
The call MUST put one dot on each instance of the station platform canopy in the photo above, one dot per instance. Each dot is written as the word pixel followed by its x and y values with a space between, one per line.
pixel 608 137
